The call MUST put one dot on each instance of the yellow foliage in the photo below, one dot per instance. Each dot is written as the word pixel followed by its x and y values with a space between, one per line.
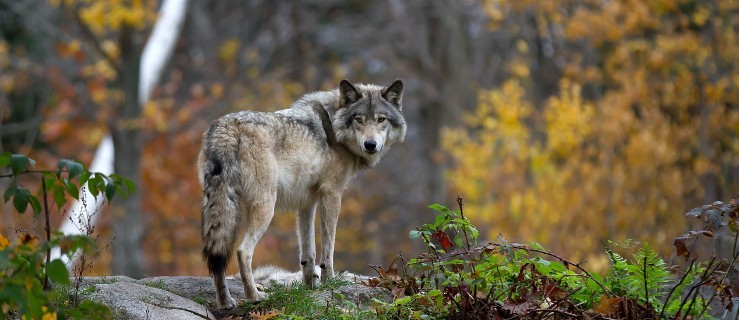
pixel 572 172
pixel 568 120
pixel 4 243
pixel 4 58
pixel 103 15
pixel 229 49
pixel 48 315
pixel 519 69
pixel 99 68
pixel 111 48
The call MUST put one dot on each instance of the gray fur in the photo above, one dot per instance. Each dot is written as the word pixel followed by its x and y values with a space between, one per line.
pixel 298 159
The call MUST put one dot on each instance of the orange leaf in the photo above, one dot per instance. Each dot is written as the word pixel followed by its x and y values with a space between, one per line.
pixel 607 305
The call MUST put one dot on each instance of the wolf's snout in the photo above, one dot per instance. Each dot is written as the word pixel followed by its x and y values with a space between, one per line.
pixel 370 145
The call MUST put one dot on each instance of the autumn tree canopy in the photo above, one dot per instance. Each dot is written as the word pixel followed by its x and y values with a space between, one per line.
pixel 643 123
pixel 562 122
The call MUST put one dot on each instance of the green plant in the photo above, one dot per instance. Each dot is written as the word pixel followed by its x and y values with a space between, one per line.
pixel 159 284
pixel 298 301
pixel 645 279
pixel 200 300
pixel 23 273
pixel 457 277
pixel 26 270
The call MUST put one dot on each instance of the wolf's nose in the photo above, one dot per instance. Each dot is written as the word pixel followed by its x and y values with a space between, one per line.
pixel 370 145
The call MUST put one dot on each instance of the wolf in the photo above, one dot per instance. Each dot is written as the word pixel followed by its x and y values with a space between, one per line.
pixel 298 159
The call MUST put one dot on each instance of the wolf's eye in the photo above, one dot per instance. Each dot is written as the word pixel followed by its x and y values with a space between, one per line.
pixel 381 119
pixel 358 120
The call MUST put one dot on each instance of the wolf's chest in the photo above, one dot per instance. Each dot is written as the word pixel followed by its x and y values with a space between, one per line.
pixel 297 182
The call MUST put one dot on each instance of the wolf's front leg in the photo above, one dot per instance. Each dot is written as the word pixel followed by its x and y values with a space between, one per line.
pixel 307 241
pixel 330 204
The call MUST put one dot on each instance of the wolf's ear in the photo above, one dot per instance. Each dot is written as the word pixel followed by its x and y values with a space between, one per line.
pixel 393 93
pixel 349 94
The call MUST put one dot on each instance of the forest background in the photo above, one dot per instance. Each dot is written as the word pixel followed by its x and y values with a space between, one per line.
pixel 562 122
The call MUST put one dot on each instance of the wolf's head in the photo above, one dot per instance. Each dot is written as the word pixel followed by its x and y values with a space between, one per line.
pixel 369 119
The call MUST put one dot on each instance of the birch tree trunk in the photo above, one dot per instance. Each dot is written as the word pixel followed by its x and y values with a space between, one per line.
pixel 121 151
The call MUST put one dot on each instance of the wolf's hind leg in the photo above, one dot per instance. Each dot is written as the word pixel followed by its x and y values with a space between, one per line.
pixel 307 240
pixel 223 296
pixel 258 219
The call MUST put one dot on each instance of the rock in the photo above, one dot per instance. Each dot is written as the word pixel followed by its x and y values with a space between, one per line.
pixel 128 300
pixel 191 297
pixel 88 281
pixel 199 289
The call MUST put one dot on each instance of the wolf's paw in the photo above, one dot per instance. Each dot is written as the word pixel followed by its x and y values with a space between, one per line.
pixel 311 279
pixel 229 304
pixel 327 274
pixel 257 296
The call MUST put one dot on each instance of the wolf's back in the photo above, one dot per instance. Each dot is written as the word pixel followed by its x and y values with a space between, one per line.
pixel 220 177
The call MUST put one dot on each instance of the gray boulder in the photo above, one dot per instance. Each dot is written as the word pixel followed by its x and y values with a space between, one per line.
pixel 128 300
pixel 191 297
pixel 198 289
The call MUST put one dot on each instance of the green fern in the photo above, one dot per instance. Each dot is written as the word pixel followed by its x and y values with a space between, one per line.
pixel 651 271
pixel 646 279
pixel 618 278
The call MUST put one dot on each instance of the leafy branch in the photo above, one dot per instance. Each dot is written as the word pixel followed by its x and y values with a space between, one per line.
pixel 21 264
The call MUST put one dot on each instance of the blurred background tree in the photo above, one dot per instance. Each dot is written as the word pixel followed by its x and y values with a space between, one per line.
pixel 562 122
pixel 644 123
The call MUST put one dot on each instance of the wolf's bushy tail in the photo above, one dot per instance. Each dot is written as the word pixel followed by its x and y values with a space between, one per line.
pixel 221 188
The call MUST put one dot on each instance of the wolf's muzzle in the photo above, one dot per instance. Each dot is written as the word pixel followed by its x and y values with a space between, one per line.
pixel 370 146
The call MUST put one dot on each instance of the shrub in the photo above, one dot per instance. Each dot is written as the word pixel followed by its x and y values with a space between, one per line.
pixel 26 270
pixel 459 278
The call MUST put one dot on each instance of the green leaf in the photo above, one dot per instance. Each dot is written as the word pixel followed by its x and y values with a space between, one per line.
pixel 110 191
pixel 92 187
pixel 74 168
pixel 414 234
pixel 20 199
pixel 129 185
pixel 59 197
pixel 437 207
pixel 96 183
pixel 49 180
pixel 5 159
pixel 120 189
pixel 19 163
pixel 84 177
pixel 73 190
pixel 9 192
pixel 35 204
pixel 474 232
pixel 458 240
pixel 440 219
pixel 57 272
pixel 124 186
pixel 92 310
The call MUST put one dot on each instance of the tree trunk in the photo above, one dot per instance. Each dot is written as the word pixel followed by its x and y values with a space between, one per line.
pixel 140 72
pixel 128 222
